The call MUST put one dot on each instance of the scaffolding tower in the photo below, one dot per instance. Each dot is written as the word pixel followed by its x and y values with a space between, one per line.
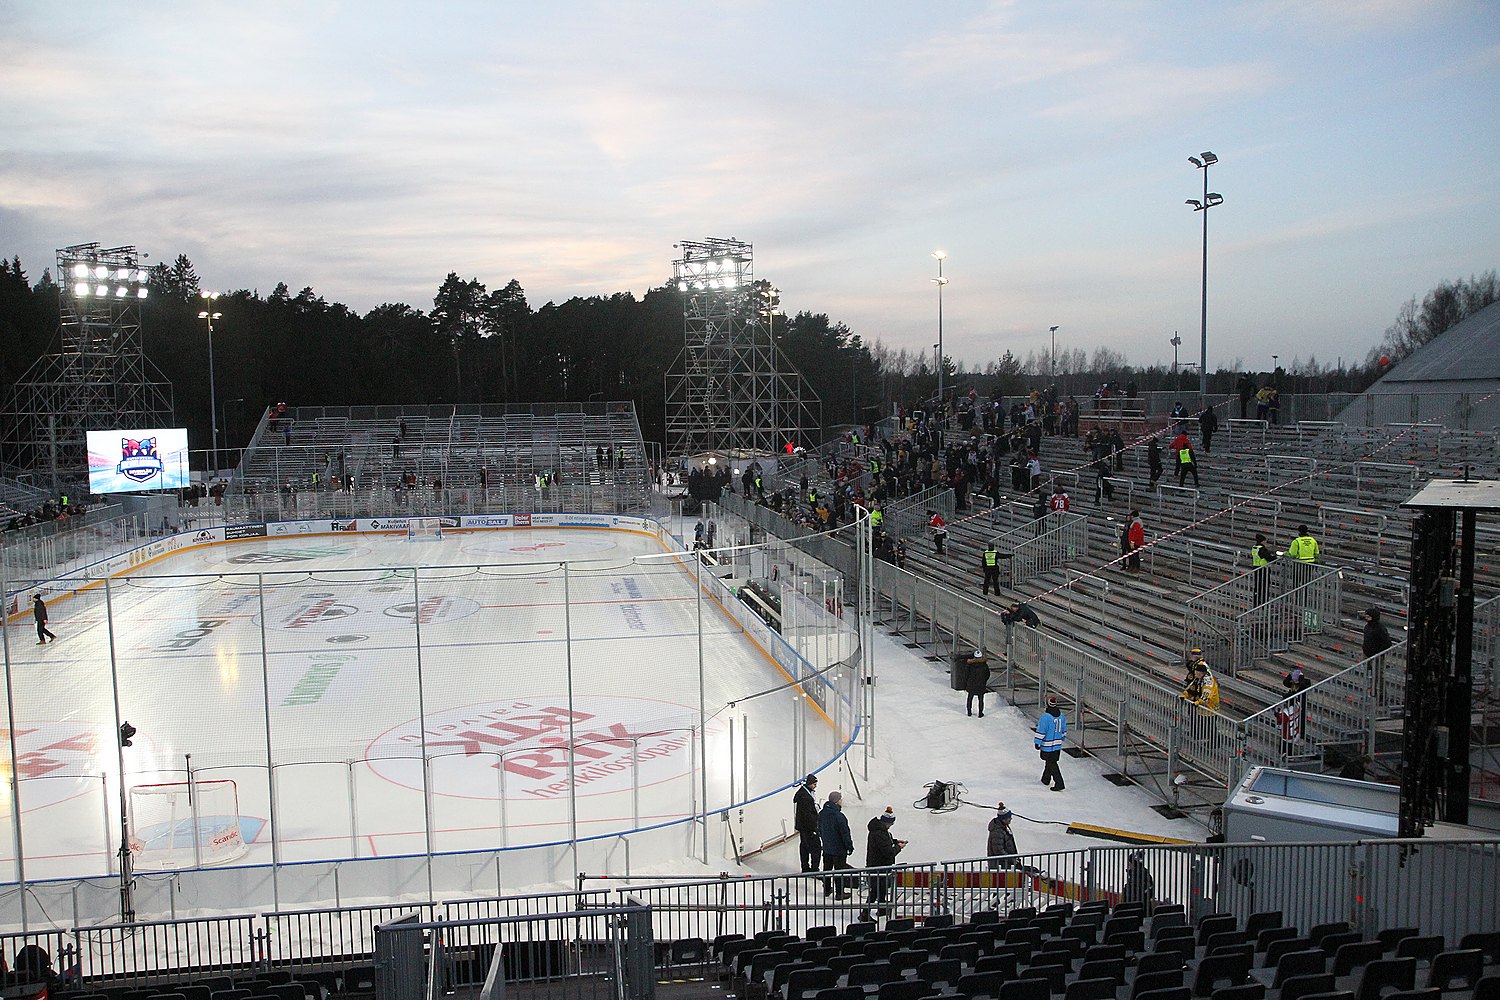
pixel 731 390
pixel 98 379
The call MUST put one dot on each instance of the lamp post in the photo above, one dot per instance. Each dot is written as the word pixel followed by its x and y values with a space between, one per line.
pixel 1052 363
pixel 224 418
pixel 1202 162
pixel 940 281
pixel 213 407
pixel 1176 342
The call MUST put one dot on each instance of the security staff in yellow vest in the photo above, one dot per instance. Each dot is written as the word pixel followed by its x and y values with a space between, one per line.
pixel 877 518
pixel 1304 547
pixel 991 557
pixel 1261 556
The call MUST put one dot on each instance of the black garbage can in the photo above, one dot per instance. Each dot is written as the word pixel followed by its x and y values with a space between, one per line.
pixel 958 671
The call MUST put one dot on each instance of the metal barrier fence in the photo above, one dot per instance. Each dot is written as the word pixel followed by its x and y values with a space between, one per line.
pixel 1370 884
pixel 1061 537
pixel 1447 887
pixel 1263 611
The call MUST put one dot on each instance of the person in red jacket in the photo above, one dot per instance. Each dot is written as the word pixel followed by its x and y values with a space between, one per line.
pixel 1136 536
pixel 1059 500
pixel 939 530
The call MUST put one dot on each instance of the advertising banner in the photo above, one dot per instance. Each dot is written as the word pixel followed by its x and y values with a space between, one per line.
pixel 129 461
pixel 234 531
pixel 486 521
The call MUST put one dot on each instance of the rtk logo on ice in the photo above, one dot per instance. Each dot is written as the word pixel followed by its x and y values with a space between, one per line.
pixel 139 460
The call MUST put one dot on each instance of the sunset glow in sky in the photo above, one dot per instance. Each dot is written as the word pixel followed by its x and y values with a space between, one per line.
pixel 368 149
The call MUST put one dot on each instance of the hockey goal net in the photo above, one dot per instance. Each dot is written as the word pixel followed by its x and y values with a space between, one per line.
pixel 423 528
pixel 181 825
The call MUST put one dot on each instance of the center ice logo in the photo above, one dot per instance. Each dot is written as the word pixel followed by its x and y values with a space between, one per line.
pixel 138 459
pixel 617 742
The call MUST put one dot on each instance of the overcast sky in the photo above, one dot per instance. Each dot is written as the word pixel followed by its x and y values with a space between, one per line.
pixel 368 149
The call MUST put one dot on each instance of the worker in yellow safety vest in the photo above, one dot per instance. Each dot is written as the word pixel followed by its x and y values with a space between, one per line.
pixel 877 518
pixel 1304 547
pixel 1201 688
pixel 991 569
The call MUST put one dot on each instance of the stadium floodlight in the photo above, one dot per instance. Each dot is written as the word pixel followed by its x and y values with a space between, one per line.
pixel 101 271
pixel 940 281
pixel 80 270
pixel 81 289
pixel 140 293
pixel 213 413
pixel 101 290
pixel 121 291
pixel 1202 162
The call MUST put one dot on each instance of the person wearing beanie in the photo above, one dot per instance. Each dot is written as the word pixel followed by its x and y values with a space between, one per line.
pixel 1377 639
pixel 976 681
pixel 880 852
pixel 1051 730
pixel 1001 843
pixel 805 822
pixel 838 843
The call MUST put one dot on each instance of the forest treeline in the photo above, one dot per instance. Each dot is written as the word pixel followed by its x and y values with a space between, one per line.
pixel 477 345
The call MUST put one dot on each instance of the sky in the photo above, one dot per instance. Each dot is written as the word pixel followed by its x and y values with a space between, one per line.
pixel 369 148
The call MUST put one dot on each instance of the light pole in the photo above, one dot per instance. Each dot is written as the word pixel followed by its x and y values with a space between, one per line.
pixel 1176 342
pixel 1210 199
pixel 213 407
pixel 940 281
pixel 1052 364
pixel 224 417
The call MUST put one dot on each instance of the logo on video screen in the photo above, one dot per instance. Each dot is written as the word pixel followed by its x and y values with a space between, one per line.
pixel 138 459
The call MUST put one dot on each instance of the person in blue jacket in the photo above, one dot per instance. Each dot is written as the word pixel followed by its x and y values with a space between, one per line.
pixel 1051 730
pixel 838 844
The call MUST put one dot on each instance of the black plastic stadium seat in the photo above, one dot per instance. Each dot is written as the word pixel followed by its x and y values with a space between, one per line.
pixel 1155 982
pixel 1456 970
pixel 1025 989
pixel 1300 987
pixel 1099 988
pixel 1245 991
pixel 1262 921
pixel 1487 942
pixel 1488 988
pixel 1299 963
pixel 1386 974
pixel 977 985
pixel 1215 923
pixel 872 974
pixel 1171 993
pixel 1423 948
pixel 840 993
pixel 1355 955
pixel 904 989
pixel 1218 971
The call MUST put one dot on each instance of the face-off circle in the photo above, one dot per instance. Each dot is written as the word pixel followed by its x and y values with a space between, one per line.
pixel 526 739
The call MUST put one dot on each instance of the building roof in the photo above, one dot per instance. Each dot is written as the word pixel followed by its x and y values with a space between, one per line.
pixel 1469 351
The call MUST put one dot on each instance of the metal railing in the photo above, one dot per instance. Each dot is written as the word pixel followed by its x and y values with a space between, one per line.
pixel 1060 537
pixel 1263 611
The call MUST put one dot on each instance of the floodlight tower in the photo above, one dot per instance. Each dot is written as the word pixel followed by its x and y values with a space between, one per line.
pixel 98 378
pixel 731 389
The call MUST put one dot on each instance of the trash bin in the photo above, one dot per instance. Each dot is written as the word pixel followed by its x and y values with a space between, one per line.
pixel 958 671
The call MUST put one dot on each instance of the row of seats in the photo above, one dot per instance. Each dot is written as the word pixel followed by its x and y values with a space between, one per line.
pixel 1093 953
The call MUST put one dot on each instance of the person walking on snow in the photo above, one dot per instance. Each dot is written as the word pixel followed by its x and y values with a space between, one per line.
pixel 1051 731
pixel 1001 842
pixel 838 844
pixel 976 681
pixel 805 821
pixel 39 612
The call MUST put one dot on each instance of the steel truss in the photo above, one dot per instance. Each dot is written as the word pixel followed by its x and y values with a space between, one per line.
pixel 99 377
pixel 731 390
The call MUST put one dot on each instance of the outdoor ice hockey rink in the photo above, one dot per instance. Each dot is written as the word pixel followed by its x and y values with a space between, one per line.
pixel 303 681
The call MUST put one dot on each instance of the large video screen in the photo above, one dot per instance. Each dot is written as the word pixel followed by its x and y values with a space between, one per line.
pixel 134 460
